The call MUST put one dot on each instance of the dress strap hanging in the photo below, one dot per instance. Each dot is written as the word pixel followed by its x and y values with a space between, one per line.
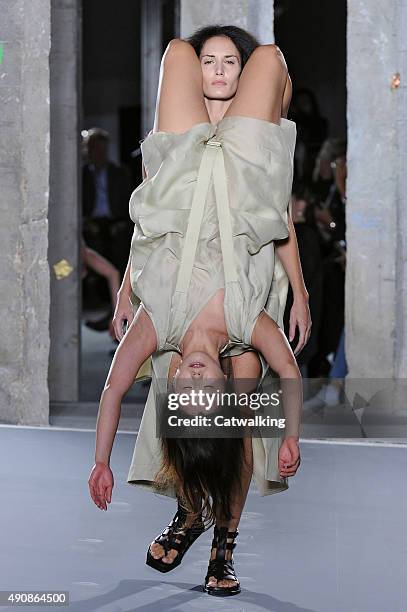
pixel 212 163
pixel 224 218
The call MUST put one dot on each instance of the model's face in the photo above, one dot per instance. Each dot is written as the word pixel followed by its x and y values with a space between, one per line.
pixel 198 371
pixel 221 67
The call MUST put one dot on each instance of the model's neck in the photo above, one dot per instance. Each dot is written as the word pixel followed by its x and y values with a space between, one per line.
pixel 203 340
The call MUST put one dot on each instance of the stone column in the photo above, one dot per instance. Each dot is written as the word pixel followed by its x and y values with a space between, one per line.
pixel 375 330
pixel 151 45
pixel 65 201
pixel 257 16
pixel 401 247
pixel 24 178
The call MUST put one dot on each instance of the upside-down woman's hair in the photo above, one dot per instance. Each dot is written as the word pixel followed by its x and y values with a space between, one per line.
pixel 244 41
pixel 206 472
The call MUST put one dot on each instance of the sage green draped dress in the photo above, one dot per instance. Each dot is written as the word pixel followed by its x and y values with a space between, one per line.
pixel 206 217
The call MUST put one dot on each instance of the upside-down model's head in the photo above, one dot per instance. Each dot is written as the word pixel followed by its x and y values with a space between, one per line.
pixel 206 471
pixel 198 370
pixel 223 52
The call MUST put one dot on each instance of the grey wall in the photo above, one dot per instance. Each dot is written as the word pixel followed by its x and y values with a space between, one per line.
pixel 64 219
pixel 377 190
pixel 253 15
pixel 24 169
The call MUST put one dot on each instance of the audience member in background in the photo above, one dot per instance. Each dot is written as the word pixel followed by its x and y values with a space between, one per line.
pixel 312 130
pixel 323 176
pixel 106 190
pixel 93 260
pixel 330 214
pixel 311 263
pixel 331 392
pixel 332 227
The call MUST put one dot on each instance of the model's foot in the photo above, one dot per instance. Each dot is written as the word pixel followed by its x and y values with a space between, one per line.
pixel 158 551
pixel 213 582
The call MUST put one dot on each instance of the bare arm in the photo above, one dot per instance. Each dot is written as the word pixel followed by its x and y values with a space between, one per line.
pixel 270 340
pixel 102 266
pixel 124 310
pixel 287 252
pixel 139 343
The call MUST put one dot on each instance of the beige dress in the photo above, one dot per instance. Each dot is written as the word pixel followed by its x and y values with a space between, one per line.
pixel 206 217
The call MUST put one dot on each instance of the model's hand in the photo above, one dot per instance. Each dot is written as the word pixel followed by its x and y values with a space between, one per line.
pixel 101 484
pixel 300 315
pixel 122 313
pixel 289 457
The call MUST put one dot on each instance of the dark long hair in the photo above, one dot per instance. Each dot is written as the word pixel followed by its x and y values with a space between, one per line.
pixel 244 41
pixel 206 472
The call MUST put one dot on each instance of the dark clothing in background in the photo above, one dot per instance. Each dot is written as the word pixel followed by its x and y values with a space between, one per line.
pixel 336 207
pixel 320 188
pixel 332 319
pixel 106 224
pixel 312 131
pixel 119 191
pixel 110 233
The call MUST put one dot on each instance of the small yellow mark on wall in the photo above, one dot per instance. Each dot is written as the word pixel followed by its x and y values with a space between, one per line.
pixel 62 269
pixel 396 81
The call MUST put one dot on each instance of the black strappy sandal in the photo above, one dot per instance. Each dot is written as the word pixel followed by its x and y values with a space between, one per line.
pixel 219 567
pixel 175 531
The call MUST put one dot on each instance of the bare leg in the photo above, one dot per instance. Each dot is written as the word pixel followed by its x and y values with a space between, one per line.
pixel 245 366
pixel 264 88
pixel 236 508
pixel 180 100
pixel 270 340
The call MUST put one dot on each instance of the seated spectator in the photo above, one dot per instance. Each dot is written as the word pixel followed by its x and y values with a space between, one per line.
pixel 106 190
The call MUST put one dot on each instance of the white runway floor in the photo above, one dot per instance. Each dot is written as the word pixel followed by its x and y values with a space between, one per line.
pixel 334 542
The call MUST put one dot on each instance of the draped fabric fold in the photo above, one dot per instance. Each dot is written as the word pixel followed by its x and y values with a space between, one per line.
pixel 240 212
pixel 256 170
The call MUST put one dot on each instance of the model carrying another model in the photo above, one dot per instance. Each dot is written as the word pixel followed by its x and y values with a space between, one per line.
pixel 210 276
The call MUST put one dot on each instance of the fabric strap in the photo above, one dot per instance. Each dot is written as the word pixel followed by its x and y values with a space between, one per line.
pixel 212 164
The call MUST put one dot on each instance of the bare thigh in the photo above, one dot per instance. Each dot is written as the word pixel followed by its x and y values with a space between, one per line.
pixel 264 89
pixel 180 100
